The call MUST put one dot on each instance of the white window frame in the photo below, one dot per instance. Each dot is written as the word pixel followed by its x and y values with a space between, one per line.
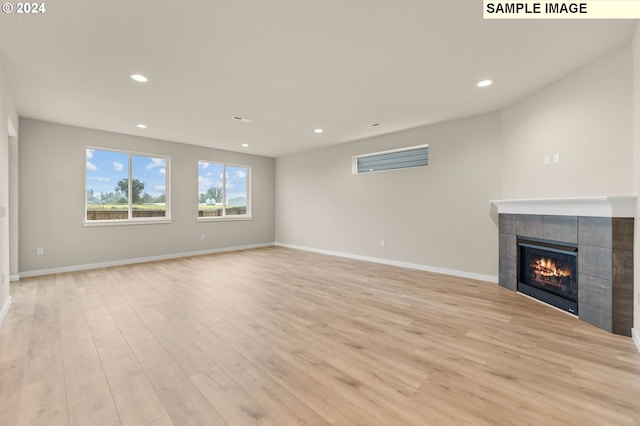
pixel 131 220
pixel 224 217
pixel 354 159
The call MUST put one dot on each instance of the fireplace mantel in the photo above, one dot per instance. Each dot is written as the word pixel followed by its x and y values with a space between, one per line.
pixel 605 206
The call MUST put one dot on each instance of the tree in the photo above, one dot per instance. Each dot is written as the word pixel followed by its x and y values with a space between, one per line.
pixel 147 198
pixel 137 187
pixel 215 193
pixel 108 198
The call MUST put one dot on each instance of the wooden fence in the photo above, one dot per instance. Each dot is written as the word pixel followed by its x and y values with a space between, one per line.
pixel 123 214
pixel 231 211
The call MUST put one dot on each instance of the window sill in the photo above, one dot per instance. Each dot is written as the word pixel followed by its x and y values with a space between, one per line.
pixel 125 222
pixel 223 218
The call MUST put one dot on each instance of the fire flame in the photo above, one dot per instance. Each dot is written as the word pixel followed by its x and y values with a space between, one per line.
pixel 547 268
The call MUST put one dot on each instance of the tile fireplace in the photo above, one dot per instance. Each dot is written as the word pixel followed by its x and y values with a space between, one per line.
pixel 575 254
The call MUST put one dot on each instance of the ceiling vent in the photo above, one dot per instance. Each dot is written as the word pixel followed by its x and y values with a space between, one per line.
pixel 243 119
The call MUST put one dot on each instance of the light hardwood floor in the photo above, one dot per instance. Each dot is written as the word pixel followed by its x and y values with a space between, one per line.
pixel 277 336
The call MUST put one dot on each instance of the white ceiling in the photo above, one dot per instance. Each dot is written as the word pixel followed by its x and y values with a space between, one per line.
pixel 289 65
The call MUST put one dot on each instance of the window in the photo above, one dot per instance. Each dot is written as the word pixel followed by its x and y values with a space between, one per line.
pixel 414 156
pixel 125 186
pixel 223 191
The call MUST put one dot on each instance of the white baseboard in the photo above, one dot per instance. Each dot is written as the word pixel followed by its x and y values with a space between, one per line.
pixel 13 278
pixel 5 309
pixel 437 270
pixel 636 338
pixel 122 262
pixel 445 271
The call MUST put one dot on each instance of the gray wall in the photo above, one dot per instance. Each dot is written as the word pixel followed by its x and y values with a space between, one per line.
pixel 7 112
pixel 51 184
pixel 436 216
pixel 636 178
pixel 4 196
pixel 587 118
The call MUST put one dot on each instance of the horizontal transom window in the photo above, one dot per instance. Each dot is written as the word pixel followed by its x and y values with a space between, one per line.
pixel 414 156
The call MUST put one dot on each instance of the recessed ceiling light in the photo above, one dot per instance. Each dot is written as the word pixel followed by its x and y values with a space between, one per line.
pixel 139 77
pixel 245 145
pixel 141 126
pixel 318 130
pixel 485 83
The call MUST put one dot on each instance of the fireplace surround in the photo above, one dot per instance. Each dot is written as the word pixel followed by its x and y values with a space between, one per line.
pixel 602 234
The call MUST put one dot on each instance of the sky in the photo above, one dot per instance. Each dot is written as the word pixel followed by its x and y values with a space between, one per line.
pixel 106 168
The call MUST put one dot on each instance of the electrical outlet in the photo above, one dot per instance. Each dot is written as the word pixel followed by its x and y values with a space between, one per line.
pixel 202 237
pixel 39 251
pixel 556 158
pixel 383 243
pixel 547 159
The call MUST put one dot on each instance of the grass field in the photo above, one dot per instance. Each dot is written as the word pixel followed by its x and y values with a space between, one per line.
pixel 147 207
pixel 91 207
